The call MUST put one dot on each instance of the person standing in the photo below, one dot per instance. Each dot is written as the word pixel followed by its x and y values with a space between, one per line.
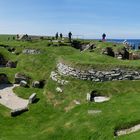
pixel 61 36
pixel 56 36
pixel 103 37
pixel 70 35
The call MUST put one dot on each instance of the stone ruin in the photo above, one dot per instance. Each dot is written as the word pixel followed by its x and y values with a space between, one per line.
pixel 120 54
pixel 19 111
pixel 116 74
pixel 89 46
pixel 134 56
pixel 31 51
pixel 5 63
pixel 55 77
pixel 23 37
pixel 108 51
pixel 126 131
pixel 20 77
pixel 38 84
pixel 11 64
pixel 32 98
pixel 123 54
pixel 96 97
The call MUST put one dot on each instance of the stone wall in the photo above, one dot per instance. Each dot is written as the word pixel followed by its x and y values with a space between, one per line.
pixel 98 76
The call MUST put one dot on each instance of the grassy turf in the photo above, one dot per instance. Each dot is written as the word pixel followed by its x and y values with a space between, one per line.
pixel 55 116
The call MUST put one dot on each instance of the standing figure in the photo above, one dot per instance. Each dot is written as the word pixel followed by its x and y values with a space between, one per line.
pixel 61 36
pixel 103 37
pixel 56 35
pixel 70 35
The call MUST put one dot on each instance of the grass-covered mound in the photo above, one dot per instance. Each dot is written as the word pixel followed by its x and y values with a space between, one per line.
pixel 55 116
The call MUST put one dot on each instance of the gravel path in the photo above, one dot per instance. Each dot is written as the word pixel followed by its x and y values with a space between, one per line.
pixel 10 99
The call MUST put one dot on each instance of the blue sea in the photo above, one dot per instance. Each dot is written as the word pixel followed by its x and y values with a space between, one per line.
pixel 134 42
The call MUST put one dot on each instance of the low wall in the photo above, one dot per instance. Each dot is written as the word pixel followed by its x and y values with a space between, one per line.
pixel 98 76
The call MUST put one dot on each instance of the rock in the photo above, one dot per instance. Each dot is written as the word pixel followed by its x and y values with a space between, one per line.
pixel 88 96
pixel 97 80
pixel 119 57
pixel 94 111
pixel 127 131
pixel 32 98
pixel 31 51
pixel 58 89
pixel 95 75
pixel 129 77
pixel 54 76
pixel 108 51
pixel 23 83
pixel 136 78
pixel 117 70
pixel 21 77
pixel 11 64
pixel 18 111
pixel 100 99
pixel 77 102
pixel 36 84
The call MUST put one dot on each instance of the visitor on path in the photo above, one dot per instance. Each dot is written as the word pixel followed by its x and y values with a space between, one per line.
pixel 61 36
pixel 70 35
pixel 103 37
pixel 56 35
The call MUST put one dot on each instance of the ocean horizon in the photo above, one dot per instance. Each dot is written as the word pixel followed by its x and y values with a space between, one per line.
pixel 135 43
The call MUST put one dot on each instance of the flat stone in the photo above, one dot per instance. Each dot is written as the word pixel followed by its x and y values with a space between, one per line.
pixel 115 75
pixel 32 98
pixel 128 131
pixel 97 80
pixel 31 51
pixel 101 99
pixel 94 111
pixel 58 89
pixel 77 102
pixel 36 84
pixel 23 83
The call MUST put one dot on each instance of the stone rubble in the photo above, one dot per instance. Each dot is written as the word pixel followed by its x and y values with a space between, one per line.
pixel 100 99
pixel 94 111
pixel 98 76
pixel 55 77
pixel 77 102
pixel 31 51
pixel 58 89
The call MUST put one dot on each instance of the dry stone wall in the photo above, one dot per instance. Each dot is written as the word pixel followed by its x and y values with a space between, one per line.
pixel 98 76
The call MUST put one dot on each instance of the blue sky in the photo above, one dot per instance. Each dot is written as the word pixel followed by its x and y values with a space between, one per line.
pixel 87 18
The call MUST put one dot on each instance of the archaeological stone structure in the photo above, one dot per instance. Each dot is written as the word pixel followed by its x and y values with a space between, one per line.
pixel 98 75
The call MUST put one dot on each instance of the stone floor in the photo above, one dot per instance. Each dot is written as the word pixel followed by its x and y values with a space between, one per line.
pixel 9 99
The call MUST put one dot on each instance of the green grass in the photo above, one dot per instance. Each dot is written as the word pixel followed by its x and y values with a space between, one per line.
pixel 55 116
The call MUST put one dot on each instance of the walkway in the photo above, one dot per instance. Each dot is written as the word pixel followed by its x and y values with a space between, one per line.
pixel 10 99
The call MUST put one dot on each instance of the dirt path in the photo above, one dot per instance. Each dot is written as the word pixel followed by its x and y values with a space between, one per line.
pixel 10 99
